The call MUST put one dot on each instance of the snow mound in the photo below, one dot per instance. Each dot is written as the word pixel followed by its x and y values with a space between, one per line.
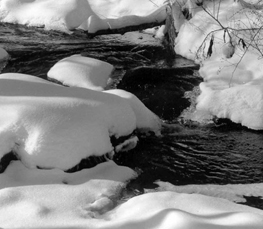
pixel 231 68
pixel 92 203
pixel 52 126
pixel 241 104
pixel 172 210
pixel 16 174
pixel 91 15
pixel 146 119
pixel 57 15
pixel 79 71
pixel 96 23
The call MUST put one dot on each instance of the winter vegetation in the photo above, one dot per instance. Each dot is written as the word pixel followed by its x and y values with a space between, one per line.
pixel 49 129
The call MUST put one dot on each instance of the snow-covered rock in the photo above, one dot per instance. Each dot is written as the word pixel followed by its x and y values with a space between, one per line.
pixel 146 119
pixel 80 71
pixel 52 126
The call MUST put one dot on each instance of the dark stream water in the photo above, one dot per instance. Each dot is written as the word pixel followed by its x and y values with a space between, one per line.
pixel 186 153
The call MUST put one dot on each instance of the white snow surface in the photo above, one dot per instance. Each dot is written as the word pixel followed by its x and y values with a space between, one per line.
pixel 83 206
pixel 80 71
pixel 52 126
pixel 91 15
pixel 231 192
pixel 146 120
pixel 233 79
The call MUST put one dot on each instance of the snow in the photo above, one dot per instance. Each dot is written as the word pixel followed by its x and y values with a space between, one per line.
pixel 80 71
pixel 232 86
pixel 81 205
pixel 91 15
pixel 146 120
pixel 231 192
pixel 55 127
pixel 17 174
pixel 39 120
pixel 173 210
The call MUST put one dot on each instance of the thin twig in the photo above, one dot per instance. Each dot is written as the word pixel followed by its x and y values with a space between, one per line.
pixel 242 57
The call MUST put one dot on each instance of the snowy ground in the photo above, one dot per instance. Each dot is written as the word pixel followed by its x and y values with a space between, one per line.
pixel 51 128
pixel 232 68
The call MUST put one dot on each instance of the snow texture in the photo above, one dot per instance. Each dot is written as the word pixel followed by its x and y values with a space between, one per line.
pixel 80 71
pixel 231 192
pixel 93 202
pixel 51 126
pixel 91 15
pixel 232 72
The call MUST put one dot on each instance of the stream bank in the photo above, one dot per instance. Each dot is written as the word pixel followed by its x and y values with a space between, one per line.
pixel 184 154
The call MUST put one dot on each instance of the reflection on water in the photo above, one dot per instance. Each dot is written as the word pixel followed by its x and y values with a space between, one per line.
pixel 184 154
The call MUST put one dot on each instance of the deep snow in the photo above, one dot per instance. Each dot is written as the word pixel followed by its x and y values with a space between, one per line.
pixel 54 127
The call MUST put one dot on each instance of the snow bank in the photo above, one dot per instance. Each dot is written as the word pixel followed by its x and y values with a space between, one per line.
pixel 82 71
pixel 52 126
pixel 57 206
pixel 91 15
pixel 232 69
pixel 58 15
pixel 55 127
pixel 17 174
pixel 231 192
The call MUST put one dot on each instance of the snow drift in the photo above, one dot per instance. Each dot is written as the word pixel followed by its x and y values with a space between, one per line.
pixel 80 71
pixel 231 64
pixel 91 15
pixel 51 126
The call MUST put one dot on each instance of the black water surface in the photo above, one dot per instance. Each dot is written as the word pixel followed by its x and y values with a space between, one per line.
pixel 184 154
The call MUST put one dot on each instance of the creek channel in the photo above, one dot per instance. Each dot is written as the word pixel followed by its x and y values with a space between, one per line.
pixel 187 152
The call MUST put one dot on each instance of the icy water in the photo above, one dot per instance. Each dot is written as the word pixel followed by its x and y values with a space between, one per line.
pixel 186 153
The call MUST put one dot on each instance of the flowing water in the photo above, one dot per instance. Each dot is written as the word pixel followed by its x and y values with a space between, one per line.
pixel 186 153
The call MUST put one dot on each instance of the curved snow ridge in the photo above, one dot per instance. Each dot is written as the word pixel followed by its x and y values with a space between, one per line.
pixel 91 15
pixel 93 202
pixel 172 210
pixel 51 126
pixel 80 71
